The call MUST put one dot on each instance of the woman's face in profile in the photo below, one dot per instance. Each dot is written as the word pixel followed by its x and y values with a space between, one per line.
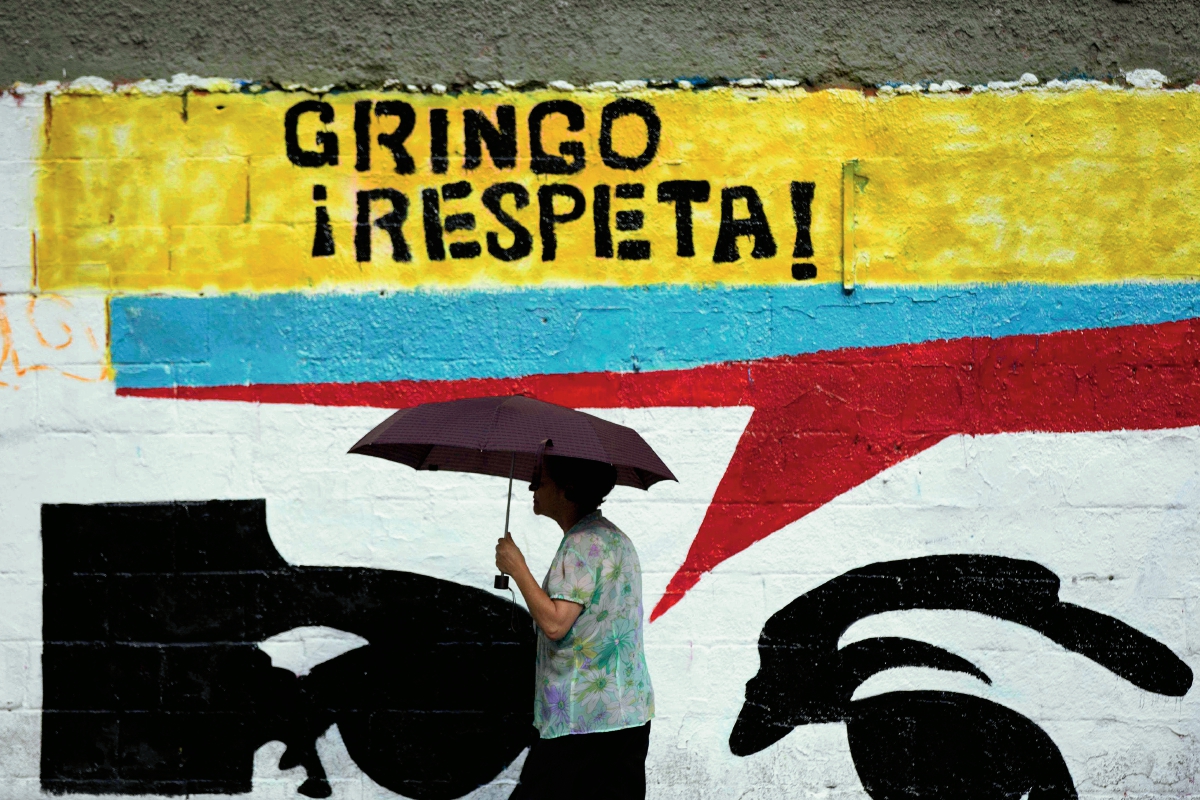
pixel 547 498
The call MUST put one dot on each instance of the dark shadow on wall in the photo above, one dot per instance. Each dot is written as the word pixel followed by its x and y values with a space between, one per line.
pixel 929 744
pixel 153 681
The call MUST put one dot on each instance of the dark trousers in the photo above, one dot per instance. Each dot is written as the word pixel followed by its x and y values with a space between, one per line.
pixel 587 766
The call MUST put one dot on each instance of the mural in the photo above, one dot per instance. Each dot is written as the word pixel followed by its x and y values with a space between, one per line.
pixel 952 336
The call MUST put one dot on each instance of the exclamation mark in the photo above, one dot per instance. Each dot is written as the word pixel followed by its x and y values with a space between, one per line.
pixel 323 235
pixel 802 197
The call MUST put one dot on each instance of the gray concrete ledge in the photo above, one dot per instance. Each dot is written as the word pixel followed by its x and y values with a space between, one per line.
pixel 821 42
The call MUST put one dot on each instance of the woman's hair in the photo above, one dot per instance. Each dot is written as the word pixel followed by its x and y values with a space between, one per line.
pixel 585 483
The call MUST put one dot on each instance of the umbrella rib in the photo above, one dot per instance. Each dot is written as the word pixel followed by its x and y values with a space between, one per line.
pixel 495 424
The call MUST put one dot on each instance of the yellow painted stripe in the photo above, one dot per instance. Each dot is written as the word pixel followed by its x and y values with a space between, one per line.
pixel 139 193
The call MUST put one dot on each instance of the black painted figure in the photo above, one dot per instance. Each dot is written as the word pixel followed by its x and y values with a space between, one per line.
pixel 154 682
pixel 907 745
pixel 928 744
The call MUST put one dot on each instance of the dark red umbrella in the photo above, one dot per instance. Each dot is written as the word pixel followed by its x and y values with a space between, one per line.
pixel 502 435
pixel 507 436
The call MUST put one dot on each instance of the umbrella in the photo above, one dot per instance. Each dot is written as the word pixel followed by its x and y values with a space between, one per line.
pixel 508 436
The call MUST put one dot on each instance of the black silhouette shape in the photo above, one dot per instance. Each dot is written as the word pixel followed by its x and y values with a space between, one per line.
pixel 908 745
pixel 927 744
pixel 154 683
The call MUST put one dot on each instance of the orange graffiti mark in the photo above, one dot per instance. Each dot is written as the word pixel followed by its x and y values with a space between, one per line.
pixel 29 312
pixel 75 377
pixel 8 350
pixel 63 336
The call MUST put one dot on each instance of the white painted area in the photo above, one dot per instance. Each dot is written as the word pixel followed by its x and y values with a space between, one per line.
pixel 1087 506
pixel 1145 78
pixel 20 124
pixel 300 649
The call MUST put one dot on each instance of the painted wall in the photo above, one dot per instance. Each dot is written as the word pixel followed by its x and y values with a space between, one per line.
pixel 926 364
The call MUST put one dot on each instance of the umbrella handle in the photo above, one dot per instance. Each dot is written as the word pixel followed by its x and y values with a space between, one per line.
pixel 501 581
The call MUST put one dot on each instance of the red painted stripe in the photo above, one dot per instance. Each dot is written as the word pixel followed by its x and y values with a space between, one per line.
pixel 713 385
pixel 826 422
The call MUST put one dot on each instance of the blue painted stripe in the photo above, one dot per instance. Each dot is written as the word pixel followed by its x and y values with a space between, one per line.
pixel 314 338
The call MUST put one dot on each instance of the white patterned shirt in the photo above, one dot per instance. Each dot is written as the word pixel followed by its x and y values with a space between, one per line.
pixel 595 678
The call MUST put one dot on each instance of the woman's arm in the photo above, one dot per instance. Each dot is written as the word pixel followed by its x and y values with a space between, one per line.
pixel 554 617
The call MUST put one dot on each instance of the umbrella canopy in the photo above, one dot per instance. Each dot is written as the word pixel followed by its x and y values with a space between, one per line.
pixel 483 434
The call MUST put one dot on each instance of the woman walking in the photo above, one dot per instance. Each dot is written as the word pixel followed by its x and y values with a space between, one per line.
pixel 593 701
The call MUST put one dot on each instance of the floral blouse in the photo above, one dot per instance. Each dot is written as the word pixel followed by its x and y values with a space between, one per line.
pixel 595 678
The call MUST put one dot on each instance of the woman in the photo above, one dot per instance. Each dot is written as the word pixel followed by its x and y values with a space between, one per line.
pixel 593 701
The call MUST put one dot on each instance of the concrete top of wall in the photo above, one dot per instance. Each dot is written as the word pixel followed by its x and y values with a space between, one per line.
pixel 822 42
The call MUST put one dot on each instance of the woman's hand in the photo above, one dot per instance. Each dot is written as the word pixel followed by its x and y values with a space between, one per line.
pixel 554 617
pixel 509 559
